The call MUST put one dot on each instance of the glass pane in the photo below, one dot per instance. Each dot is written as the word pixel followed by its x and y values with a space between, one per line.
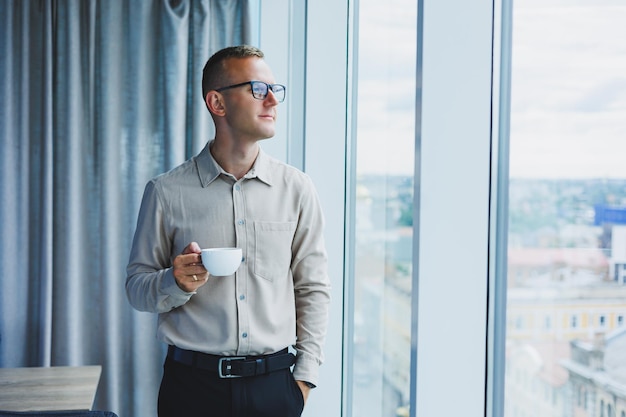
pixel 381 273
pixel 566 303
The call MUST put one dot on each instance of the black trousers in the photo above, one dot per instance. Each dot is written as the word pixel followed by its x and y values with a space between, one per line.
pixel 191 392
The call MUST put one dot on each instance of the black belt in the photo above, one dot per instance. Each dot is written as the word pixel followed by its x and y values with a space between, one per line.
pixel 233 366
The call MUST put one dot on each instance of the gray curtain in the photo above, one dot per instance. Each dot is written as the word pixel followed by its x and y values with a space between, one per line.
pixel 96 97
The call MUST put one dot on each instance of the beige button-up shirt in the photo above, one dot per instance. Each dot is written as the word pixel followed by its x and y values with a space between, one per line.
pixel 280 294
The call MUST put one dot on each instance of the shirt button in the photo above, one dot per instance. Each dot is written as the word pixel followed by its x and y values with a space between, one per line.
pixel 244 335
pixel 237 187
pixel 242 297
pixel 240 222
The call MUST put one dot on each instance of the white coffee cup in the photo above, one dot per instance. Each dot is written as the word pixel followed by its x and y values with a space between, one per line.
pixel 221 262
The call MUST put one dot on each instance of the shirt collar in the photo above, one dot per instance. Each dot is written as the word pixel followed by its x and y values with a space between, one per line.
pixel 209 169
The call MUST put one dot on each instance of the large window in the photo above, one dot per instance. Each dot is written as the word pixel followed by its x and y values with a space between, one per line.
pixel 567 211
pixel 418 275
pixel 383 209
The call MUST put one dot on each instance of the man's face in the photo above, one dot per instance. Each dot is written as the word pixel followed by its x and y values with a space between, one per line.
pixel 247 117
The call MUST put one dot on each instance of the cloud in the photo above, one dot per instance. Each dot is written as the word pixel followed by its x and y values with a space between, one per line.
pixel 568 89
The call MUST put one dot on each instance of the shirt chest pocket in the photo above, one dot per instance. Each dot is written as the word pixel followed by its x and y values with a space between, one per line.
pixel 272 253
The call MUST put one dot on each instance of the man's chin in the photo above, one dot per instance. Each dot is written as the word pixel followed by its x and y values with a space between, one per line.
pixel 267 136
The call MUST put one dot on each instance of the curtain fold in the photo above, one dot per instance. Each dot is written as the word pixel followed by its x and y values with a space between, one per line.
pixel 96 97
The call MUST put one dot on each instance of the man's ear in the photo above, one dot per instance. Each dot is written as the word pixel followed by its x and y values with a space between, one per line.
pixel 215 103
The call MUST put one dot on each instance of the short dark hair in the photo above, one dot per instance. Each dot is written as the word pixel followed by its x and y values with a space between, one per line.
pixel 213 73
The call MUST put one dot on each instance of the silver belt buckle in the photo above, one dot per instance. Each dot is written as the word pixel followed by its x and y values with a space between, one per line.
pixel 220 367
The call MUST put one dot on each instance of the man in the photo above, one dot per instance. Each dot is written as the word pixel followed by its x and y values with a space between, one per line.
pixel 228 336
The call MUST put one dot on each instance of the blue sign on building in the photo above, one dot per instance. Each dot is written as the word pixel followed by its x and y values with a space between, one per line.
pixel 609 214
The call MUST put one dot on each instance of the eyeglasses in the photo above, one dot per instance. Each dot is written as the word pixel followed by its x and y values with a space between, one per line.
pixel 261 89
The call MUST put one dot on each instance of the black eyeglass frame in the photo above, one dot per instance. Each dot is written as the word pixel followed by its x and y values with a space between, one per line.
pixel 258 96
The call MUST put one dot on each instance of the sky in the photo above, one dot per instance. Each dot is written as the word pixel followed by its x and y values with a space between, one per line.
pixel 386 86
pixel 568 92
